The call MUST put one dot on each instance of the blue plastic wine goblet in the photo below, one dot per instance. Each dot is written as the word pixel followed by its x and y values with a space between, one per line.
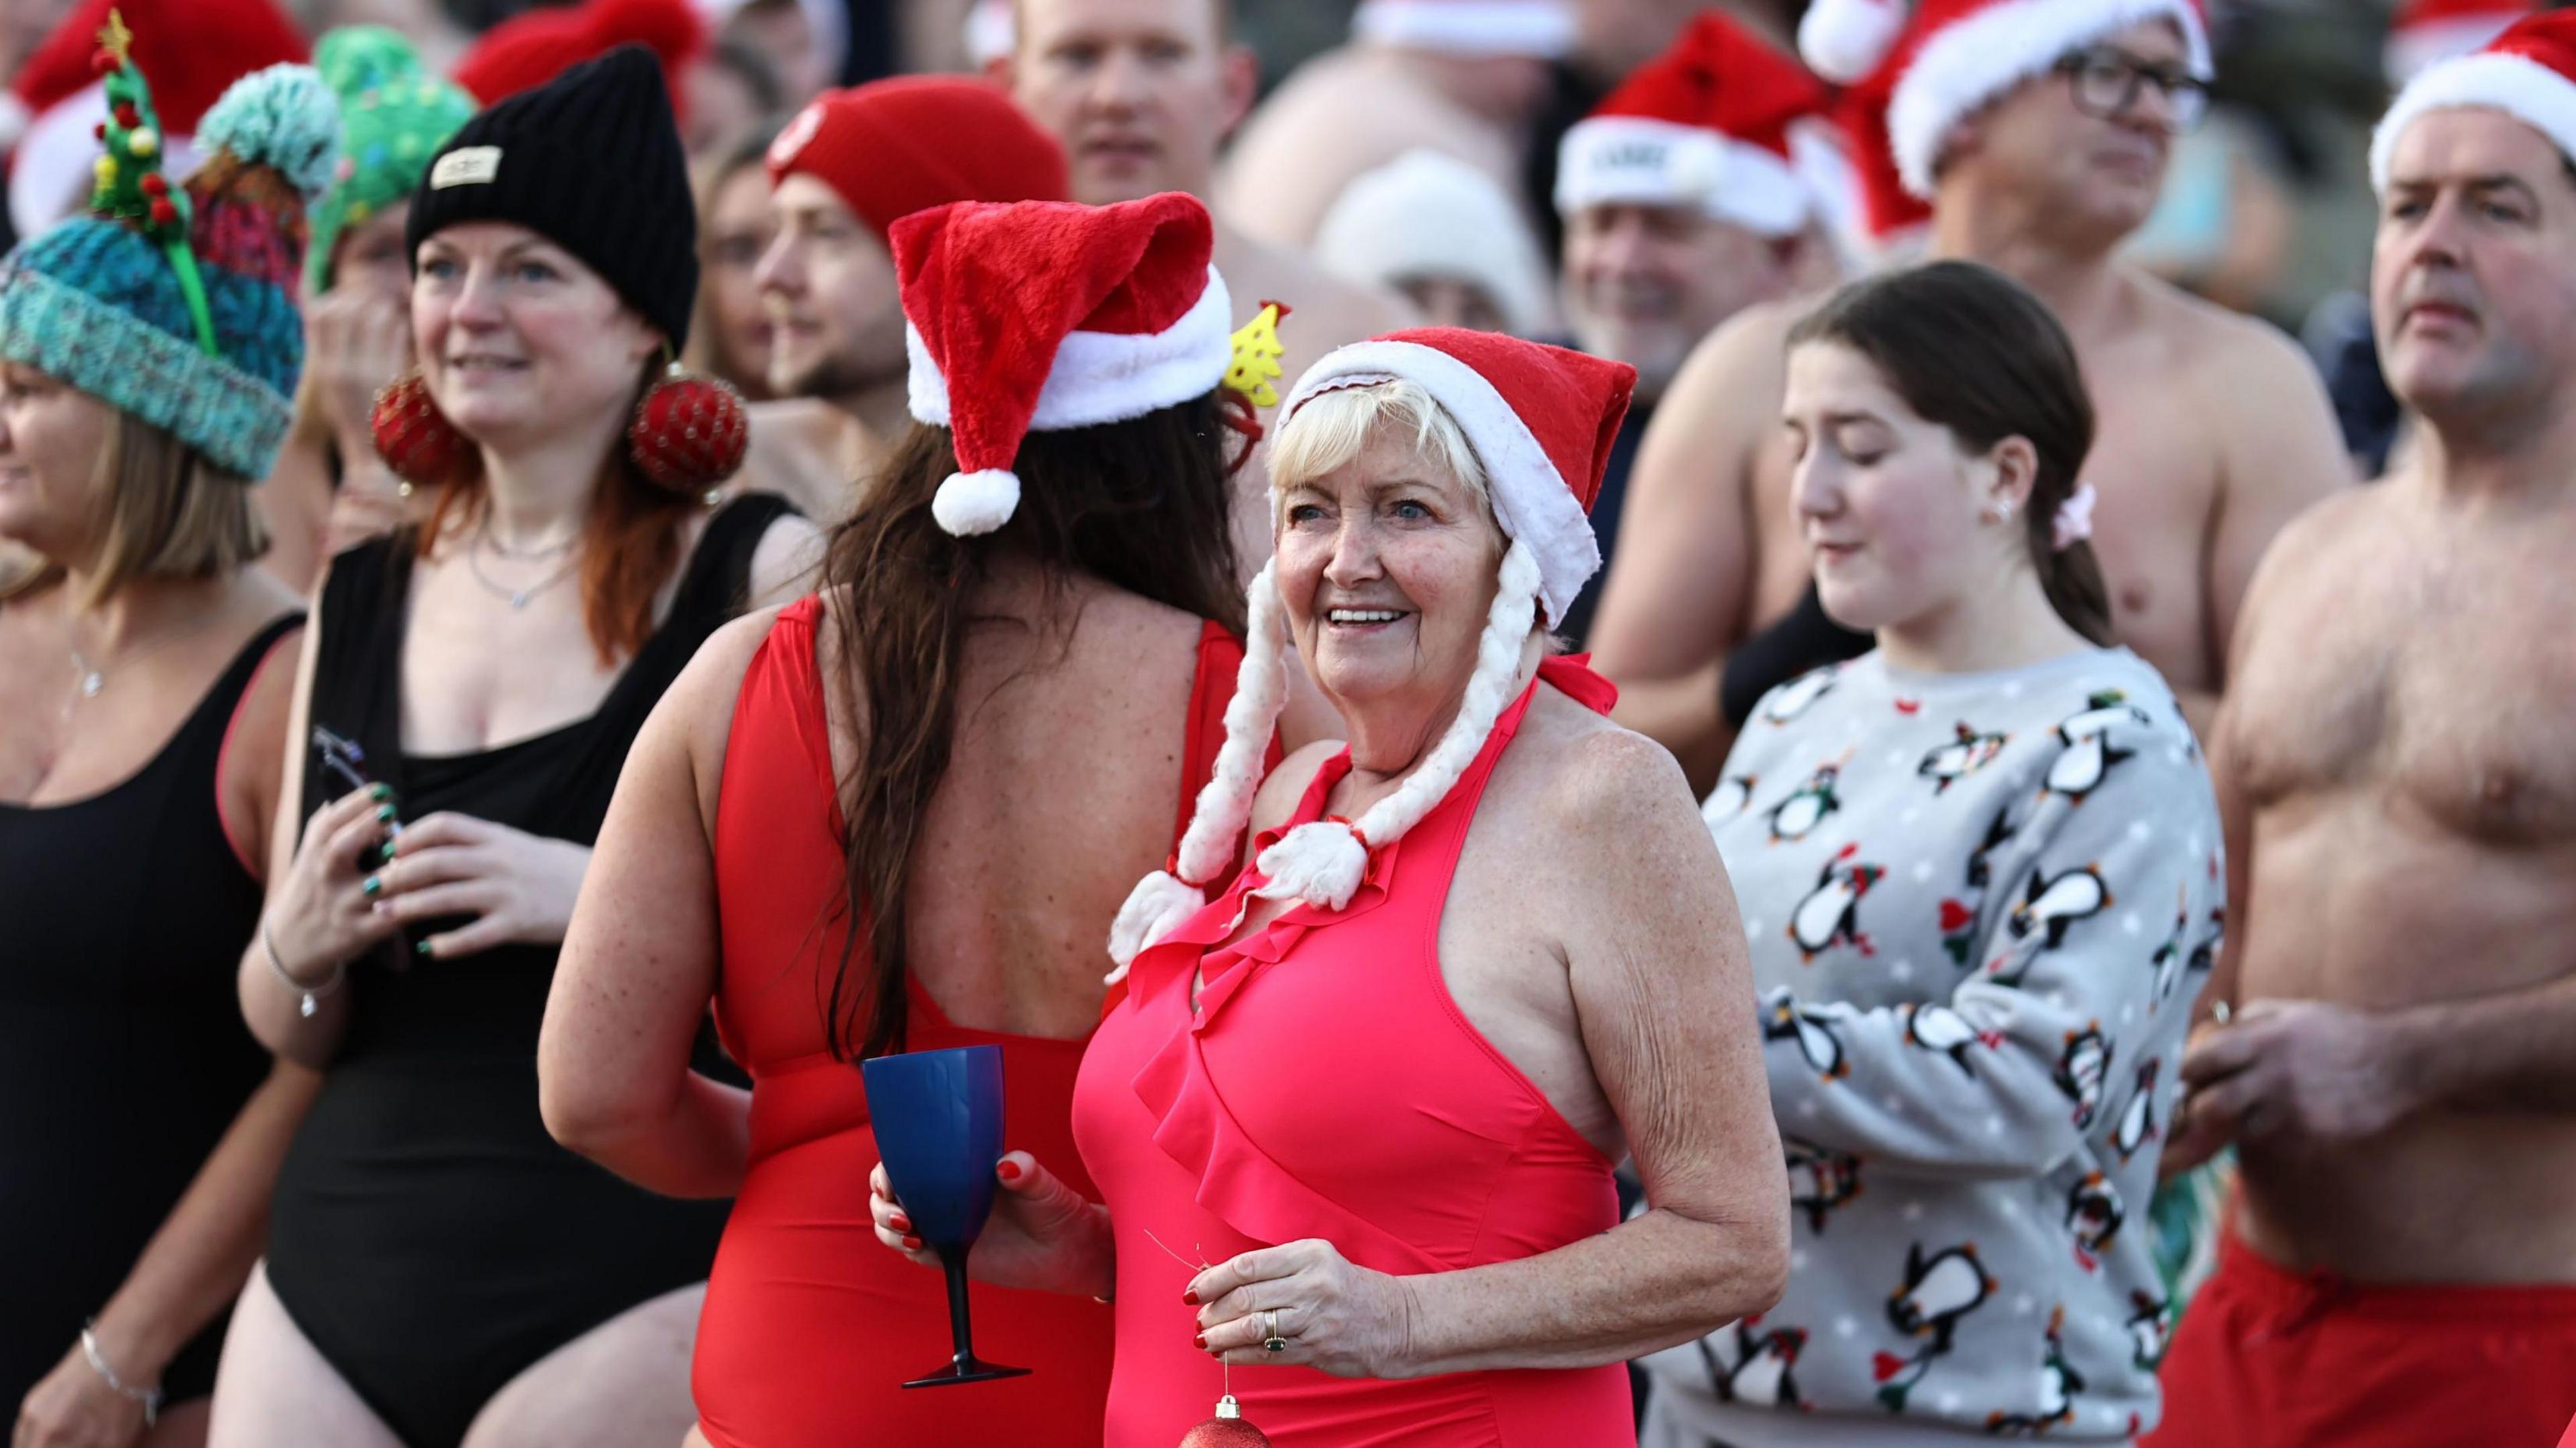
pixel 938 1121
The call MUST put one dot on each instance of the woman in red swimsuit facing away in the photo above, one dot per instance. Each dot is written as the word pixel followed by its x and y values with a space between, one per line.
pixel 1372 1094
pixel 989 721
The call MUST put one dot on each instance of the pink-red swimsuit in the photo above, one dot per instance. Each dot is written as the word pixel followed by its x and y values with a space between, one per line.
pixel 1328 1086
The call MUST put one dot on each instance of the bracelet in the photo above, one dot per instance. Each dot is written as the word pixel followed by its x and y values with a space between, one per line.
pixel 310 993
pixel 150 1398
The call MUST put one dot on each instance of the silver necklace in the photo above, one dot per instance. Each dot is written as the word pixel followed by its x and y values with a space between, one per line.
pixel 93 677
pixel 517 598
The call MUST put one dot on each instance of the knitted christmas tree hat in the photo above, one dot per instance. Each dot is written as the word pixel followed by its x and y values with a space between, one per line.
pixel 177 304
pixel 394 115
pixel 590 161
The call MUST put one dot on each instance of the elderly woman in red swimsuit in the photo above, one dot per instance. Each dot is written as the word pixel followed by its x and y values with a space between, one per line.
pixel 988 723
pixel 1353 1120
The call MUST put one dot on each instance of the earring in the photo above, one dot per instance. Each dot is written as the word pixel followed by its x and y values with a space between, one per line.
pixel 689 433
pixel 2000 512
pixel 413 437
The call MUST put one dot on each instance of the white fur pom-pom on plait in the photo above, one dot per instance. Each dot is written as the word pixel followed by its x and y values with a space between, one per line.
pixel 1845 41
pixel 970 504
pixel 1157 906
pixel 1320 863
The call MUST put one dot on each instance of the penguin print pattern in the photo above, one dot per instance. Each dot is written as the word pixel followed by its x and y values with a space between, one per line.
pixel 2093 1216
pixel 1760 1370
pixel 1829 916
pixel 1728 800
pixel 2090 751
pixel 1974 937
pixel 1820 1179
pixel 1796 817
pixel 2150 1328
pixel 1949 763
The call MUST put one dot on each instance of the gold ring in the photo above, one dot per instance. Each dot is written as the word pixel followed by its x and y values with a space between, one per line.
pixel 1271 1341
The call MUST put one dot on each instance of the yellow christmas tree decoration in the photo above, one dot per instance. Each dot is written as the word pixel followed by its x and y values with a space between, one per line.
pixel 1256 356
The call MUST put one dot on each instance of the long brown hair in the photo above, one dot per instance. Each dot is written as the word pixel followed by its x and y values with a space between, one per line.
pixel 1138 505
pixel 630 541
pixel 1971 349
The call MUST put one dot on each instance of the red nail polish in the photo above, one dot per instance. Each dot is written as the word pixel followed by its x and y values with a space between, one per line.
pixel 1199 1341
pixel 1190 1296
pixel 1008 1171
pixel 899 1222
pixel 912 1243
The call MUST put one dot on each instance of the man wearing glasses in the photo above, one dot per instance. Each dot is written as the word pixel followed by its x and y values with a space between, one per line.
pixel 2039 131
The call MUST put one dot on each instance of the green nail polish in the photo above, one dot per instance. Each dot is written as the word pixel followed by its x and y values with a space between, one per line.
pixel 385 813
pixel 371 884
pixel 421 949
pixel 380 791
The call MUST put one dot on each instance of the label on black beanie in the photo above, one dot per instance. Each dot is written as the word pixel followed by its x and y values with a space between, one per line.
pixel 466 166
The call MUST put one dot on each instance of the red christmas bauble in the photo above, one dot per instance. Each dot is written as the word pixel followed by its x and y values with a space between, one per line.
pixel 103 61
pixel 127 116
pixel 153 184
pixel 689 433
pixel 163 213
pixel 1227 1429
pixel 413 437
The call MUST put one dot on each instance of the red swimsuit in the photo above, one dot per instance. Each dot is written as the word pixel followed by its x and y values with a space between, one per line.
pixel 810 1324
pixel 1328 1086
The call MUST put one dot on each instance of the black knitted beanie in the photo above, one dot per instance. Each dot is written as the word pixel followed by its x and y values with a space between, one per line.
pixel 591 161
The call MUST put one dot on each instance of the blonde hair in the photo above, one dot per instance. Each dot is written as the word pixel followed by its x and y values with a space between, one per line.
pixel 1331 428
pixel 162 511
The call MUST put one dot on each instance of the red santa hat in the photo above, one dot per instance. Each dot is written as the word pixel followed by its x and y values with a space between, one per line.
pixel 1544 29
pixel 1947 59
pixel 534 46
pixel 1038 316
pixel 2528 72
pixel 1541 421
pixel 1707 123
pixel 2426 32
pixel 192 49
pixel 1892 219
pixel 894 147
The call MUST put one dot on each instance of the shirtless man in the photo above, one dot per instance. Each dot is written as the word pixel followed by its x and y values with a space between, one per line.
pixel 1463 80
pixel 844 171
pixel 1141 93
pixel 2041 149
pixel 2400 793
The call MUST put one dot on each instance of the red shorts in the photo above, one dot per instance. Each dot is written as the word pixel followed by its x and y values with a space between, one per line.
pixel 2270 1358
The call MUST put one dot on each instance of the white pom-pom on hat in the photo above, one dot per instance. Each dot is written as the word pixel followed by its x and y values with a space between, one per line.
pixel 970 504
pixel 1845 41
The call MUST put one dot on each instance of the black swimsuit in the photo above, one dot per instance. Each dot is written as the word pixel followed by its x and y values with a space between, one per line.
pixel 123 1058
pixel 429 1237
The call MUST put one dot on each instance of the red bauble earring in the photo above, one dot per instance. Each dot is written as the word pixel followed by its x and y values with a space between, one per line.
pixel 689 432
pixel 413 437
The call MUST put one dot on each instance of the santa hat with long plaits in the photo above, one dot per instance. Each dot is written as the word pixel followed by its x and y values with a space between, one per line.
pixel 1946 59
pixel 2528 73
pixel 1709 123
pixel 1540 420
pixel 1039 316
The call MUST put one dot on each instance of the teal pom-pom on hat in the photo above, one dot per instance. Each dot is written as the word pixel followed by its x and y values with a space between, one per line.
pixel 177 304
pixel 394 115
pixel 283 118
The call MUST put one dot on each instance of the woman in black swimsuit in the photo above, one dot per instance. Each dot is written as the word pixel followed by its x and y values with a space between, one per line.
pixel 439 1272
pixel 145 670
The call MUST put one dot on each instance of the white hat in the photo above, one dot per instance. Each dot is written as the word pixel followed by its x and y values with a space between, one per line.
pixel 1952 57
pixel 1544 29
pixel 1712 122
pixel 1429 214
pixel 2528 72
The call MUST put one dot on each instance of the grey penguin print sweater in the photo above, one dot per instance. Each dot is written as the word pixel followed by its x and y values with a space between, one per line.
pixel 1980 907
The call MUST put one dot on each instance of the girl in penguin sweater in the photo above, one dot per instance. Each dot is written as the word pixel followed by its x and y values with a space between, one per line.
pixel 1970 1003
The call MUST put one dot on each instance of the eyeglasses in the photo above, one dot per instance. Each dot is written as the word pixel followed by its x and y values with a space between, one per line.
pixel 2106 85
